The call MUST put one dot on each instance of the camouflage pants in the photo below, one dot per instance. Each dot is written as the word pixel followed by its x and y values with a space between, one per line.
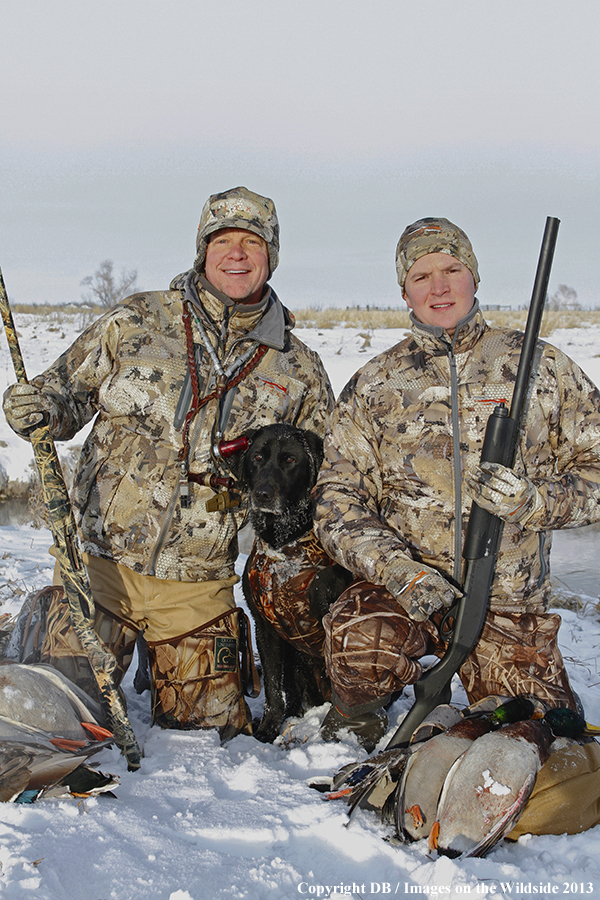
pixel 196 679
pixel 372 649
pixel 48 637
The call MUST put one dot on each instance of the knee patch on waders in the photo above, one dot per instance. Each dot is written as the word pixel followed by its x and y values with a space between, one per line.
pixel 518 654
pixel 372 647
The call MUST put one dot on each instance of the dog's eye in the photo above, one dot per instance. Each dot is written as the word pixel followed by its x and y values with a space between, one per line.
pixel 290 460
pixel 258 457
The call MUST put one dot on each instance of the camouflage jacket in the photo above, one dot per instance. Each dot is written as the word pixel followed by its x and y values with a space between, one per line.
pixel 130 371
pixel 411 421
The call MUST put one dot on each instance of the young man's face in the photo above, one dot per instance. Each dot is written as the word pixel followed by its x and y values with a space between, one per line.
pixel 237 264
pixel 440 290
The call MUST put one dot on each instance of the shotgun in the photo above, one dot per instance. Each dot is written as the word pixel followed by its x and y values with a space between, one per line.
pixel 484 530
pixel 72 571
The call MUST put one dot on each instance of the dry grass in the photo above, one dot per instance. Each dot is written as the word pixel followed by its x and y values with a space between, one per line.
pixel 51 310
pixel 66 317
pixel 551 320
pixel 352 317
pixel 562 598
pixel 355 317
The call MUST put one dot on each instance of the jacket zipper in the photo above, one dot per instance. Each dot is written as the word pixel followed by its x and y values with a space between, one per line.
pixel 160 541
pixel 456 464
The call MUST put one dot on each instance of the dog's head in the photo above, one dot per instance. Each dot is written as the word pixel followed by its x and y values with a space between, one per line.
pixel 278 472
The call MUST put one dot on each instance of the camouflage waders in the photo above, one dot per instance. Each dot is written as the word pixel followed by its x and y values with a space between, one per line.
pixel 518 654
pixel 196 679
pixel 372 649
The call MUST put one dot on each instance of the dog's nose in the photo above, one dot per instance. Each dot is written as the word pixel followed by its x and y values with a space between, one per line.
pixel 264 495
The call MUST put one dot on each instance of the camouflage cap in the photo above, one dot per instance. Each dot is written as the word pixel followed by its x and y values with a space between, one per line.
pixel 434 235
pixel 238 208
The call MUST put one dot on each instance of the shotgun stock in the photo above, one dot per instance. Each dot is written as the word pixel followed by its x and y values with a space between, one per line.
pixel 484 530
pixel 73 573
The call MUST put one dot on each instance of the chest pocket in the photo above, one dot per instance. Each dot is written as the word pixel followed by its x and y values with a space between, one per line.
pixel 263 398
pixel 477 403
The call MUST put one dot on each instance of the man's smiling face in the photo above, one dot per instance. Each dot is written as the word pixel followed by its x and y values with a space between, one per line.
pixel 440 290
pixel 237 264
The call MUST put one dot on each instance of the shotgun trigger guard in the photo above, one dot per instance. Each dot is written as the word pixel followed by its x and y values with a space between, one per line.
pixel 447 624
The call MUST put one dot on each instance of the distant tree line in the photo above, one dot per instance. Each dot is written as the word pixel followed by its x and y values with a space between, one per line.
pixel 105 289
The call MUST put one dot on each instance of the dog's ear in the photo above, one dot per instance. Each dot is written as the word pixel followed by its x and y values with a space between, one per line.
pixel 237 460
pixel 315 447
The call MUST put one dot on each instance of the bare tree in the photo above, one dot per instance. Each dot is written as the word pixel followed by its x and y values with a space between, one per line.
pixel 105 289
pixel 563 298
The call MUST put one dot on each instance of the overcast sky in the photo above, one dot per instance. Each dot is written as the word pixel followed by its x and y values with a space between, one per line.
pixel 120 118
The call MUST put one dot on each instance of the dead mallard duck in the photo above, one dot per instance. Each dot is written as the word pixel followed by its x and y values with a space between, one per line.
pixel 48 729
pixel 487 789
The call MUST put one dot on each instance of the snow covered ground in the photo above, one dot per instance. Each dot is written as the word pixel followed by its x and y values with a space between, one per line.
pixel 201 821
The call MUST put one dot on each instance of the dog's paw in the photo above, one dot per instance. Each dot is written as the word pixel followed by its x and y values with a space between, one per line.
pixel 326 587
pixel 267 730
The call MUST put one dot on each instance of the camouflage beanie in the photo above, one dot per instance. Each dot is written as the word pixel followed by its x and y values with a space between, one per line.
pixel 434 236
pixel 238 208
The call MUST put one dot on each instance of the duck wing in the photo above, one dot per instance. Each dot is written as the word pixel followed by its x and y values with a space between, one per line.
pixel 29 768
pixel 14 775
pixel 375 779
pixel 505 823
pixel 355 781
pixel 375 791
pixel 84 781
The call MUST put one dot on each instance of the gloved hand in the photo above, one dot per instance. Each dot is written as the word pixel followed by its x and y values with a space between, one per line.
pixel 503 493
pixel 421 591
pixel 25 407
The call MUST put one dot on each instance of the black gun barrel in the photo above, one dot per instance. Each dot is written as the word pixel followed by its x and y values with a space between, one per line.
pixel 534 318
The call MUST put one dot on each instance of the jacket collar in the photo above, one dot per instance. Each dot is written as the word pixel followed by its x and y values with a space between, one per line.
pixel 267 322
pixel 435 339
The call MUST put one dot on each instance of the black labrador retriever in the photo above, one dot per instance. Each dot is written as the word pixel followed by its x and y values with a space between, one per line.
pixel 289 582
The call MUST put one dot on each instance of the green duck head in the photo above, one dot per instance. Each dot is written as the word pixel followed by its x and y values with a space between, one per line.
pixel 568 723
pixel 516 709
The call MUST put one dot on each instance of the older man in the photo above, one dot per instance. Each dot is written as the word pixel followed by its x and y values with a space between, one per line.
pixel 169 375
pixel 401 468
